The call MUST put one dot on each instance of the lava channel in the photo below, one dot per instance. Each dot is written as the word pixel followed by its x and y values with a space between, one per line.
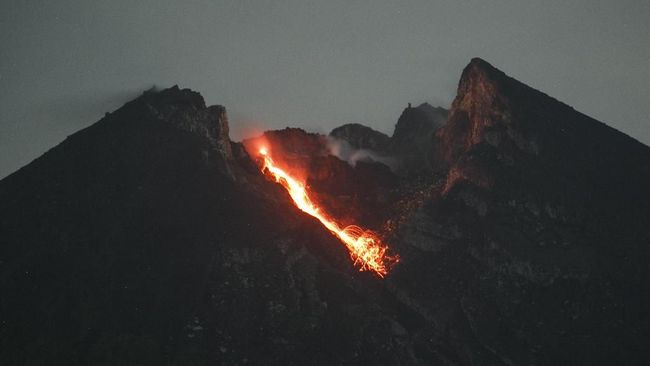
pixel 367 250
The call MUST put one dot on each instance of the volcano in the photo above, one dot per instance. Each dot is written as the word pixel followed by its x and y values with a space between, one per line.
pixel 520 224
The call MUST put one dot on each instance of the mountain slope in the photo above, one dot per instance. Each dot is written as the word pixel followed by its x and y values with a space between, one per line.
pixel 150 238
pixel 535 240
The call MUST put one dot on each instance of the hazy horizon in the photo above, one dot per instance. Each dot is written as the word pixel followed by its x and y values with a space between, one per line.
pixel 308 64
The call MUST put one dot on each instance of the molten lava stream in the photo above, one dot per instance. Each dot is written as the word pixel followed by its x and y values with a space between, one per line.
pixel 365 247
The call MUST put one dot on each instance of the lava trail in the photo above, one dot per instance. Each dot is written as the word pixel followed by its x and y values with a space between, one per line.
pixel 366 248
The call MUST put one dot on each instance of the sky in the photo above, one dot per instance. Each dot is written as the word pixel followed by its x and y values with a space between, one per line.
pixel 310 64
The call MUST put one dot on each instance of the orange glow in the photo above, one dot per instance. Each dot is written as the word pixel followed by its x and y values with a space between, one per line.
pixel 365 247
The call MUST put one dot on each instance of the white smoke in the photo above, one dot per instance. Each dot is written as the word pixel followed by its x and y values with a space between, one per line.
pixel 346 152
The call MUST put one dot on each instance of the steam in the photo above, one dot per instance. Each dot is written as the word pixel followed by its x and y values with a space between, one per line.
pixel 346 152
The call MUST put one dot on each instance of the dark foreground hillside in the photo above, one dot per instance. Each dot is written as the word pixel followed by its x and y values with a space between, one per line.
pixel 150 238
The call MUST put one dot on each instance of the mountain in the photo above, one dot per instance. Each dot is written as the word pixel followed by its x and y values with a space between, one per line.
pixel 534 240
pixel 151 238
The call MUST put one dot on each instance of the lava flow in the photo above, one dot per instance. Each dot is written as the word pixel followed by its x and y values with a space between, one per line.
pixel 365 247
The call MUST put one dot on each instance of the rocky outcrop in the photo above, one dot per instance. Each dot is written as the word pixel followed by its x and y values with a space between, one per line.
pixel 361 137
pixel 535 229
pixel 415 128
pixel 512 139
pixel 186 110
pixel 408 149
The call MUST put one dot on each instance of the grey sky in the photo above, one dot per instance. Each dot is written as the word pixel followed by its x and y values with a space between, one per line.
pixel 312 64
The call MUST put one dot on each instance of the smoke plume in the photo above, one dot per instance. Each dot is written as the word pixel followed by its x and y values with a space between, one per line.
pixel 346 152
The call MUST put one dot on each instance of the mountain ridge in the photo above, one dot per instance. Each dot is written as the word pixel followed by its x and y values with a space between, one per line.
pixel 150 237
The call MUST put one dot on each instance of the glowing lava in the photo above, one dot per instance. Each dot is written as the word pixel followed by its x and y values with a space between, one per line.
pixel 365 247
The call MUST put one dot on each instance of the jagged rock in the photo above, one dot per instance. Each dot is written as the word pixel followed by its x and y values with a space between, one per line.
pixel 186 109
pixel 415 129
pixel 528 285
pixel 413 135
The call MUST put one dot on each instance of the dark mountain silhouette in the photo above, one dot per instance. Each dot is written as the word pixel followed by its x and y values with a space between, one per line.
pixel 151 238
pixel 414 133
pixel 361 137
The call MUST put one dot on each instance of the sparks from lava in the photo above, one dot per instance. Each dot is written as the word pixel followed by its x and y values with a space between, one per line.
pixel 366 248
